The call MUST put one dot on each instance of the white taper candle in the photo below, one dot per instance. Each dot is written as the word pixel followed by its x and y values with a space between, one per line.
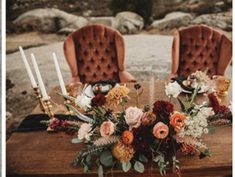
pixel 39 77
pixel 30 74
pixel 61 81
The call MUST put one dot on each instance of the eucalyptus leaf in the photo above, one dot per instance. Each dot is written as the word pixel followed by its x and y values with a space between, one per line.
pixel 88 159
pixel 100 171
pixel 143 158
pixel 76 140
pixel 139 167
pixel 126 166
pixel 106 158
pixel 86 169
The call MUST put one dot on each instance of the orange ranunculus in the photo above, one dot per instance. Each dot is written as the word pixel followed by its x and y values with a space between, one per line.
pixel 127 137
pixel 177 120
pixel 160 130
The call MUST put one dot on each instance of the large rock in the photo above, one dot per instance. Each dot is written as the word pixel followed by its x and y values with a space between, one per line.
pixel 219 20
pixel 163 7
pixel 48 20
pixel 172 20
pixel 129 22
pixel 108 21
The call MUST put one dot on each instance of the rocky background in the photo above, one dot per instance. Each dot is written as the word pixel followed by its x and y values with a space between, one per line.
pixel 30 19
pixel 41 26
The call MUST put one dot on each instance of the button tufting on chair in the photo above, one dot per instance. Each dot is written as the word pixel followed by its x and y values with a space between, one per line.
pixel 96 53
pixel 200 47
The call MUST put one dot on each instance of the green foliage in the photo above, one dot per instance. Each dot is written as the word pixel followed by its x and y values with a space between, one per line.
pixel 81 156
pixel 76 141
pixel 139 167
pixel 176 163
pixel 100 171
pixel 142 7
pixel 106 158
pixel 79 115
pixel 162 165
pixel 143 158
pixel 126 166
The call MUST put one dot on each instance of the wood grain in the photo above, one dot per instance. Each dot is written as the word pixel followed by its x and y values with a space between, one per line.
pixel 50 154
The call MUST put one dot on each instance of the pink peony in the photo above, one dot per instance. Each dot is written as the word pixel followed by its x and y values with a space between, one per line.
pixel 84 131
pixel 133 117
pixel 107 128
pixel 160 130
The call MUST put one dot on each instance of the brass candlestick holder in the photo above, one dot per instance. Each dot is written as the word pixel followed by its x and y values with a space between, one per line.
pixel 66 103
pixel 39 97
pixel 48 108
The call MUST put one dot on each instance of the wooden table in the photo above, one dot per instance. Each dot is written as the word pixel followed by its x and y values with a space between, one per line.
pixel 43 154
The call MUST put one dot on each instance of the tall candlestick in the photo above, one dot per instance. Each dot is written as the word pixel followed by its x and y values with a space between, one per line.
pixel 61 81
pixel 30 74
pixel 39 77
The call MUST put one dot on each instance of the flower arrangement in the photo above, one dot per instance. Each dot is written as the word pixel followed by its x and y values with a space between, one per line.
pixel 198 80
pixel 135 137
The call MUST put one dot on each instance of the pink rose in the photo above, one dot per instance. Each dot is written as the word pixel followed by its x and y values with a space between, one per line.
pixel 107 128
pixel 84 131
pixel 133 117
pixel 160 130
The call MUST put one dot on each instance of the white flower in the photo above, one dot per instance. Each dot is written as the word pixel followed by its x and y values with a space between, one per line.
pixel 83 101
pixel 173 89
pixel 197 125
pixel 84 132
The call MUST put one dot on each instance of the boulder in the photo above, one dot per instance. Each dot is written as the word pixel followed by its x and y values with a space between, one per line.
pixel 66 31
pixel 163 7
pixel 172 20
pixel 108 21
pixel 219 20
pixel 129 22
pixel 48 20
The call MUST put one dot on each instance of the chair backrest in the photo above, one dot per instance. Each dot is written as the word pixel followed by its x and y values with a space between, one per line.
pixel 95 53
pixel 199 48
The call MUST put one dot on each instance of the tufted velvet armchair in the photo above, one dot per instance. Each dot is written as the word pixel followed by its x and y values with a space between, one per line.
pixel 198 48
pixel 96 53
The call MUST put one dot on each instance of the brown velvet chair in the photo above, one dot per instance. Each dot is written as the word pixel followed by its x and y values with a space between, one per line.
pixel 198 48
pixel 96 53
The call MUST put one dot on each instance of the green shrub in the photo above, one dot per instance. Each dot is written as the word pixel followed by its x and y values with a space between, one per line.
pixel 142 7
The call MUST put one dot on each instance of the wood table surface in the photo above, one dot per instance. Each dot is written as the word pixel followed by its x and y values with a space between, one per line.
pixel 39 153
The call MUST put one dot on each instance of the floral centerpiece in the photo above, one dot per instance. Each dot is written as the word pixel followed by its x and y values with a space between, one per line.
pixel 136 137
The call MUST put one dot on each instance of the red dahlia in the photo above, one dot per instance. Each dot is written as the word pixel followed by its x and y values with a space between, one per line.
pixel 143 137
pixel 162 109
pixel 98 100
pixel 214 103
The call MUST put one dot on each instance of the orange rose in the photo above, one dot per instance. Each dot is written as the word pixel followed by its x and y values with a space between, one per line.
pixel 127 137
pixel 160 130
pixel 177 120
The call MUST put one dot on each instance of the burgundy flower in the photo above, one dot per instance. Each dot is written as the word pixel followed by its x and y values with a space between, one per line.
pixel 163 109
pixel 55 123
pixel 143 137
pixel 219 109
pixel 214 103
pixel 98 100
pixel 223 109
